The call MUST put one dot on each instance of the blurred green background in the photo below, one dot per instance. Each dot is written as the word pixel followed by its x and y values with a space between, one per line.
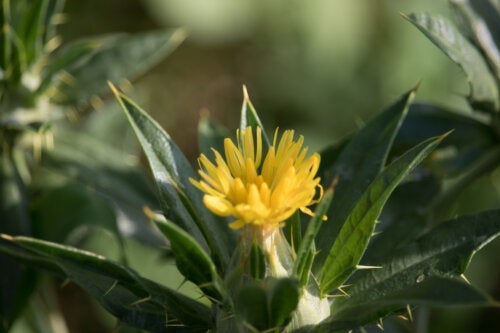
pixel 319 66
pixel 322 67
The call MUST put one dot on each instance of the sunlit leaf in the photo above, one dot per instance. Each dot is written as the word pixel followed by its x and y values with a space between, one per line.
pixel 348 248
pixel 442 252
pixel 359 163
pixel 180 200
pixel 483 86
pixel 134 300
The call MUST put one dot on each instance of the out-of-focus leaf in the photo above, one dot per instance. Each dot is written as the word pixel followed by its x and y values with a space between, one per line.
pixel 249 117
pixel 482 18
pixel 54 7
pixel 360 162
pixel 192 261
pixel 483 87
pixel 434 292
pixel 117 57
pixel 283 298
pixel 444 251
pixel 103 170
pixel 31 29
pixel 251 306
pixel 132 299
pixel 211 135
pixel 468 142
pixel 16 282
pixel 353 238
pixel 307 249
pixel 180 200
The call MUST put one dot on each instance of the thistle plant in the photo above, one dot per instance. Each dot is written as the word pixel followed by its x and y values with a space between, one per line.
pixel 279 239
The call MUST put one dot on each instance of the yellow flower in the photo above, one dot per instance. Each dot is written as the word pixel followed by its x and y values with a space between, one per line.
pixel 256 191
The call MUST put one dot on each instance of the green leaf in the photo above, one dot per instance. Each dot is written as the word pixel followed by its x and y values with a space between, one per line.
pixel 31 29
pixel 482 18
pixel 251 306
pixel 99 170
pixel 16 282
pixel 483 88
pixel 211 135
pixel 433 292
pixel 470 140
pixel 359 163
pixel 118 57
pixel 54 7
pixel 249 117
pixel 257 262
pixel 180 201
pixel 348 248
pixel 307 249
pixel 283 298
pixel 134 300
pixel 442 252
pixel 192 261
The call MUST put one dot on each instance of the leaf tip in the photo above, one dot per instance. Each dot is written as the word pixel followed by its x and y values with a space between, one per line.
pixel 114 89
pixel 246 98
pixel 7 237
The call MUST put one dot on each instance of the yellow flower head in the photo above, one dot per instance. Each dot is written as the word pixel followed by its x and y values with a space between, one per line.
pixel 255 191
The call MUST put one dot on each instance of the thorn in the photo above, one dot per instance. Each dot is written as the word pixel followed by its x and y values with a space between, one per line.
pixel 142 300
pixel 403 317
pixel 152 215
pixel 367 267
pixel 65 283
pixel 341 289
pixel 7 237
pixel 376 233
pixel 111 288
pixel 464 278
pixel 378 221
pixel 380 324
pixel 246 98
pixel 410 315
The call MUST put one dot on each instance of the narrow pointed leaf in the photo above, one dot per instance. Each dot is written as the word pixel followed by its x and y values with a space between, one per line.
pixel 442 252
pixel 118 57
pixel 257 262
pixel 192 261
pixel 359 163
pixel 249 117
pixel 483 87
pixel 134 300
pixel 353 238
pixel 307 250
pixel 180 201
pixel 432 292
pixel 482 19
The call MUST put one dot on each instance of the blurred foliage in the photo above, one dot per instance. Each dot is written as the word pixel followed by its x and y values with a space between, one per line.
pixel 72 176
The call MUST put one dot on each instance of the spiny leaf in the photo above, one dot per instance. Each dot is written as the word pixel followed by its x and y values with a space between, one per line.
pixel 134 300
pixel 441 253
pixel 353 238
pixel 192 261
pixel 307 250
pixel 359 163
pixel 180 201
pixel 484 90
